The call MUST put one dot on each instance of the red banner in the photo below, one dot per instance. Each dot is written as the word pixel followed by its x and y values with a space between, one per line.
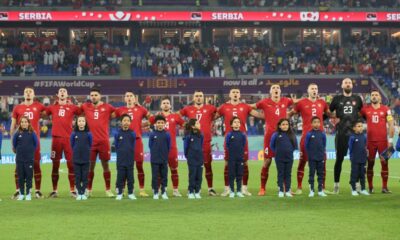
pixel 199 16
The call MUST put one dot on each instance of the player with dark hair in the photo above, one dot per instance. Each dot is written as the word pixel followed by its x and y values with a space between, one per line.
pixel 275 108
pixel 346 107
pixel 236 108
pixel 98 116
pixel 62 113
pixel 378 117
pixel 205 114
pixel 173 120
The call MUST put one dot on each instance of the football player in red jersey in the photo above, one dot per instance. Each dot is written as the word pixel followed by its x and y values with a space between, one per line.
pixel 137 114
pixel 62 112
pixel 98 116
pixel 378 117
pixel 205 114
pixel 173 120
pixel 308 108
pixel 33 110
pixel 236 108
pixel 275 108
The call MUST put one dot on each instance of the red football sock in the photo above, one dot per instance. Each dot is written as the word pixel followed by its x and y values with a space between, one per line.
pixel 37 174
pixel 245 174
pixel 370 177
pixel 209 174
pixel 71 178
pixel 226 176
pixel 90 180
pixel 55 175
pixel 300 173
pixel 107 180
pixel 140 174
pixel 384 173
pixel 174 178
pixel 264 176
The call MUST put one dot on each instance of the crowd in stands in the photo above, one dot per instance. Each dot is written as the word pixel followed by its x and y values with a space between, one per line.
pixel 23 56
pixel 184 59
pixel 312 3
pixel 366 54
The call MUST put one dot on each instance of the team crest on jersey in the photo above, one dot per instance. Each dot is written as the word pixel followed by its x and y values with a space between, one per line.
pixel 347 102
pixel 102 109
pixel 135 109
pixel 34 109
pixel 172 119
pixel 204 111
pixel 319 104
pixel 354 103
pixel 241 109
pixel 283 105
pixel 67 108
pixel 381 113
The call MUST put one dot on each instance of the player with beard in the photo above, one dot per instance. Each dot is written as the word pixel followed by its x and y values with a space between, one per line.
pixel 346 108
pixel 173 120
pixel 98 116
pixel 378 117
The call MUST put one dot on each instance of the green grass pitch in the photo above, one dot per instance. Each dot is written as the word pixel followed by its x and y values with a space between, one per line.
pixel 334 217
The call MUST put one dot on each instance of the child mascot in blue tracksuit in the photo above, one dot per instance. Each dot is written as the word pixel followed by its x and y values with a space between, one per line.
pixel 235 143
pixel 315 145
pixel 81 142
pixel 125 149
pixel 283 143
pixel 193 149
pixel 358 158
pixel 24 143
pixel 160 145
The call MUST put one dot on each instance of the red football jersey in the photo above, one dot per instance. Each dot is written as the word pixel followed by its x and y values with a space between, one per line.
pixel 228 111
pixel 173 120
pixel 62 117
pixel 376 122
pixel 274 111
pixel 205 115
pixel 308 110
pixel 32 112
pixel 137 114
pixel 98 119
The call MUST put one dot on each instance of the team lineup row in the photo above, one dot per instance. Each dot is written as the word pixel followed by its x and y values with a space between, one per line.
pixel 346 107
